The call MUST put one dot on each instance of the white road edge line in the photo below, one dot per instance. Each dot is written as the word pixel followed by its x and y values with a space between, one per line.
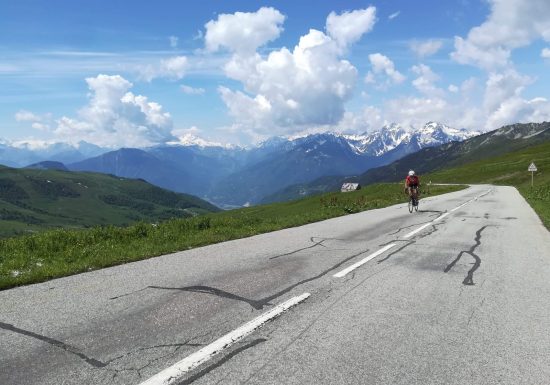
pixel 174 373
pixel 349 269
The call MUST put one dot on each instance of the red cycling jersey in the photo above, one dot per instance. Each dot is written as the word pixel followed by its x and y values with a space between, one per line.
pixel 412 181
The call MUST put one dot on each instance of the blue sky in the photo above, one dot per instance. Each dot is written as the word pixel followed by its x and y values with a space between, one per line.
pixel 135 74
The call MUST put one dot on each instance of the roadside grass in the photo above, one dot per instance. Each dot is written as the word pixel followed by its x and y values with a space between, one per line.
pixel 511 170
pixel 56 253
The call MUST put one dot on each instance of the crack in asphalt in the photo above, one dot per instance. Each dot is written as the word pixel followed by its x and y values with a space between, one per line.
pixel 408 227
pixel 214 291
pixel 473 312
pixel 396 251
pixel 62 345
pixel 312 239
pixel 222 361
pixel 469 280
pixel 89 360
pixel 257 304
pixel 138 370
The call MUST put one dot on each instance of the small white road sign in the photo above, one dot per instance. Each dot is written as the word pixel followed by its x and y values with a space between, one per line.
pixel 532 167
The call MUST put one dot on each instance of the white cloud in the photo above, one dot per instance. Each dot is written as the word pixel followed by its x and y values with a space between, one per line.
pixel 172 68
pixel 394 15
pixel 40 126
pixel 545 53
pixel 173 41
pixel 39 122
pixel 452 88
pixel 27 116
pixel 370 78
pixel 425 80
pixel 382 64
pixel 243 31
pixel 191 90
pixel 511 24
pixel 291 90
pixel 416 111
pixel 426 48
pixel 116 117
pixel 501 87
pixel 348 27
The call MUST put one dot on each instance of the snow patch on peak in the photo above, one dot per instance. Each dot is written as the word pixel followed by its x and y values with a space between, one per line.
pixel 188 140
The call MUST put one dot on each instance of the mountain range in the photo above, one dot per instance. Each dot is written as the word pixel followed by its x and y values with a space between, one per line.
pixel 231 176
pixel 430 159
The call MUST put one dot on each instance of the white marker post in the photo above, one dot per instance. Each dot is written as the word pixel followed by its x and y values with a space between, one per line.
pixel 533 169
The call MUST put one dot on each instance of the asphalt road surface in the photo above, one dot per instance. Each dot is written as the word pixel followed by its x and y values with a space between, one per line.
pixel 457 293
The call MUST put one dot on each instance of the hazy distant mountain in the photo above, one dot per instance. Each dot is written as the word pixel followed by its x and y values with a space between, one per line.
pixel 233 176
pixel 48 165
pixel 21 154
pixel 140 164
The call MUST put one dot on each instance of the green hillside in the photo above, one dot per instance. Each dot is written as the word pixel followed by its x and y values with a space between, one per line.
pixel 36 200
pixel 509 169
pixel 39 257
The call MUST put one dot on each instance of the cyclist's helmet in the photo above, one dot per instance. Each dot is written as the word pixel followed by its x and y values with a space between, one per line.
pixel 411 173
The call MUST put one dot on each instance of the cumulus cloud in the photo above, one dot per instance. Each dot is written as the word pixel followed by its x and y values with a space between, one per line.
pixel 383 65
pixel 191 90
pixel 348 27
pixel 425 82
pixel 27 116
pixel 38 122
pixel 173 68
pixel 289 90
pixel 511 24
pixel 243 31
pixel 545 53
pixel 426 48
pixel 116 117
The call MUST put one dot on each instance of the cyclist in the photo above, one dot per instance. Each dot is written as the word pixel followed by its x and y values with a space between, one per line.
pixel 412 182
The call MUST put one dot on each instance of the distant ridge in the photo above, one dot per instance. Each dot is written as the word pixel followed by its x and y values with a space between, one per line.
pixel 48 165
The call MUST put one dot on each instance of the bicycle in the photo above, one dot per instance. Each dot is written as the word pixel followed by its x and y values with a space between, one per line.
pixel 413 200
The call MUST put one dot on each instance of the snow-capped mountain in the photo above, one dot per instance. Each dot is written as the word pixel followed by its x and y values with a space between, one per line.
pixel 392 136
pixel 190 140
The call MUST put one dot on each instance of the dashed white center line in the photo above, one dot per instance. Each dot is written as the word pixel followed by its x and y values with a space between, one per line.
pixel 174 373
pixel 349 269
pixel 440 217
pixel 417 230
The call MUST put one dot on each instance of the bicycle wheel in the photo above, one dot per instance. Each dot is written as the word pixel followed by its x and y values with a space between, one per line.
pixel 411 204
pixel 416 204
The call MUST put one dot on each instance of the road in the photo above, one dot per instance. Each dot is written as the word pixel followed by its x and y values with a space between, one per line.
pixel 462 297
